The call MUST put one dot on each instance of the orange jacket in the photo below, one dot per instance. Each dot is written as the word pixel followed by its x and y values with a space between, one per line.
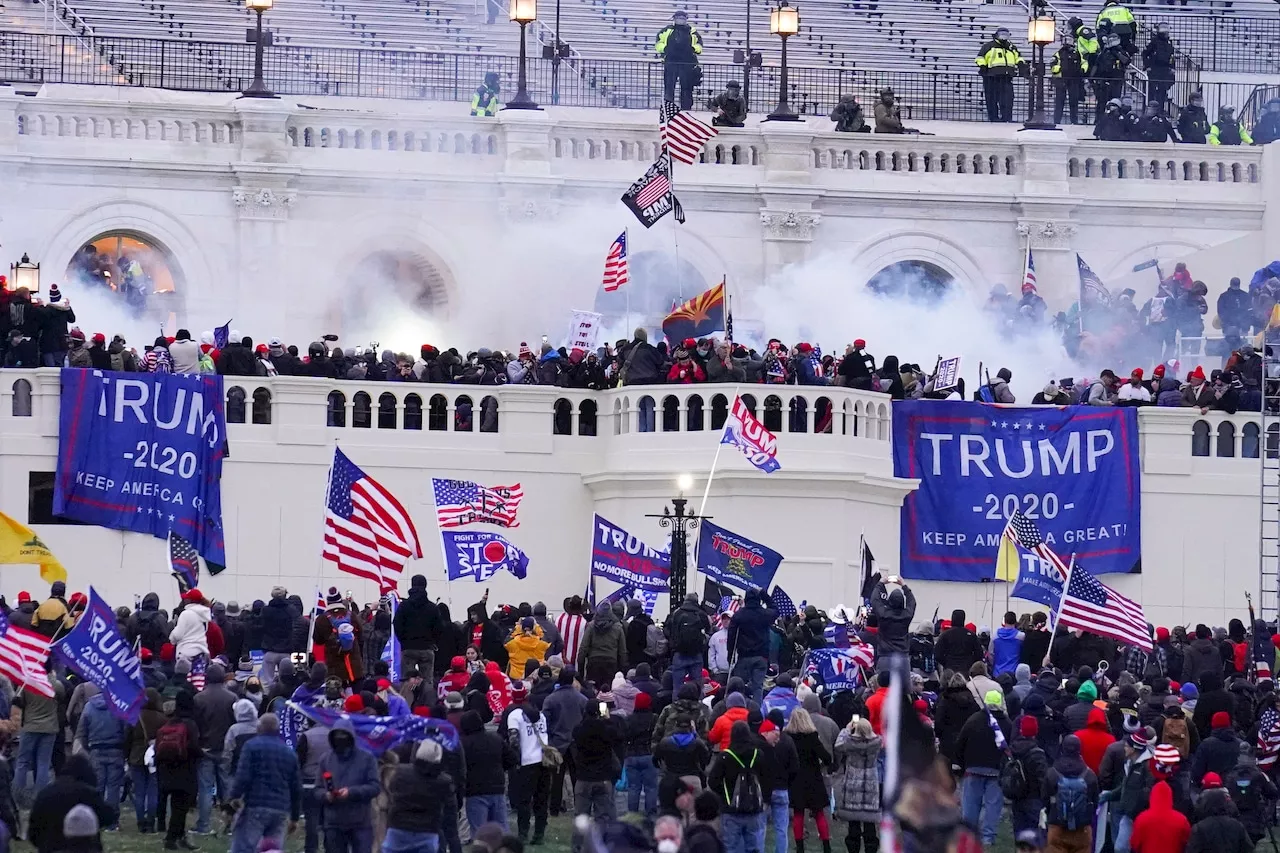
pixel 719 734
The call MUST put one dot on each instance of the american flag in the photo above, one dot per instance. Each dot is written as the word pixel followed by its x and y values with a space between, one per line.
pixel 1268 746
pixel 1091 605
pixel 571 627
pixel 730 604
pixel 1092 290
pixel 682 134
pixel 367 532
pixel 23 654
pixel 1023 531
pixel 783 604
pixel 460 502
pixel 195 678
pixel 615 264
pixel 658 187
pixel 1030 277
pixel 184 563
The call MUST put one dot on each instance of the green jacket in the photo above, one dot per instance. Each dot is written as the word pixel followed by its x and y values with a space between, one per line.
pixel 660 46
pixel 1118 15
pixel 998 58
pixel 484 102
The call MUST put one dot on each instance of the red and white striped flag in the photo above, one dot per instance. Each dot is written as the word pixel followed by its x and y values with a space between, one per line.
pixel 1091 605
pixel 367 532
pixel 615 264
pixel 1029 280
pixel 23 654
pixel 682 134
pixel 572 627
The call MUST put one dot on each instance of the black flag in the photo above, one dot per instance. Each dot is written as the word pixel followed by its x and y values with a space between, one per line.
pixel 870 575
pixel 650 198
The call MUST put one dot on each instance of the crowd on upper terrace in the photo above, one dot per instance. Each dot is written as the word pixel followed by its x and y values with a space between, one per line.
pixel 1104 330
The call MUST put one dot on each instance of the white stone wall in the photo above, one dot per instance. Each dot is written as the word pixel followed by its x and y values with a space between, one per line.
pixel 1199 513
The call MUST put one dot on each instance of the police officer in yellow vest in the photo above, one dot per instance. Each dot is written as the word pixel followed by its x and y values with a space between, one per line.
pixel 1119 19
pixel 485 100
pixel 998 62
pixel 679 44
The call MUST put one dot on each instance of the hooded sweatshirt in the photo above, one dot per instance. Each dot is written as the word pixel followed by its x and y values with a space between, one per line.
pixel 1006 650
pixel 1095 737
pixel 550 632
pixel 245 727
pixel 189 634
pixel 1022 685
pixel 1160 829
pixel 603 640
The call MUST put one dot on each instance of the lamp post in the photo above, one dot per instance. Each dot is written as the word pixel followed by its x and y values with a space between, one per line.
pixel 524 13
pixel 260 40
pixel 24 274
pixel 1040 32
pixel 784 21
pixel 680 520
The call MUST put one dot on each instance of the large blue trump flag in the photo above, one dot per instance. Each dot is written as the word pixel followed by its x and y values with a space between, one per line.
pixel 1073 471
pixel 735 560
pixel 96 651
pixel 143 452
pixel 623 557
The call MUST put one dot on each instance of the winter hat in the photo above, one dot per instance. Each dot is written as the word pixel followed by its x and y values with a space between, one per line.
pixel 643 701
pixel 1162 634
pixel 453 700
pixel 735 700
pixel 353 704
pixel 167 652
pixel 76 333
pixel 994 699
pixel 1088 690
pixel 767 726
pixel 519 693
pixel 1198 373
pixel 1137 740
pixel 524 351
pixel 1158 373
pixel 216 673
pixel 528 623
pixel 1220 720
pixel 1189 691
pixel 429 751
pixel 1167 754
pixel 1051 389
pixel 81 821
pixel 182 667
pixel 1211 780
pixel 1028 727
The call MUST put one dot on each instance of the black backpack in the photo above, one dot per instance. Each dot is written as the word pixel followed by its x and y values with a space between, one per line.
pixel 747 796
pixel 686 633
pixel 1013 778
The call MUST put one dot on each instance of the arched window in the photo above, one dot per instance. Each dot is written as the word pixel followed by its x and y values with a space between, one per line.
pixel 719 411
pixel 132 267
pixel 21 399
pixel 670 414
pixel 749 400
pixel 1226 439
pixel 822 415
pixel 799 414
pixel 562 418
pixel 587 417
pixel 362 410
pixel 262 405
pixel 462 414
pixel 413 412
pixel 1249 441
pixel 773 413
pixel 846 413
pixel 235 405
pixel 1200 438
pixel 693 416
pixel 1273 441
pixel 438 413
pixel 386 410
pixel 489 414
pixel 337 409
pixel 646 412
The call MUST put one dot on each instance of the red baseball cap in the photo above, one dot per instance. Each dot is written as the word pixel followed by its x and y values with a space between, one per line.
pixel 383 684
pixel 24 596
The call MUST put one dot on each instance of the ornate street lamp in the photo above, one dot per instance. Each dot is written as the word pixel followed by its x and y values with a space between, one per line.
pixel 524 13
pixel 1041 31
pixel 24 274
pixel 784 22
pixel 260 40
pixel 680 521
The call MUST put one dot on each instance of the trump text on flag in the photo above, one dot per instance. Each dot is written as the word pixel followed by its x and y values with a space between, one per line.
pixel 623 557
pixel 1074 472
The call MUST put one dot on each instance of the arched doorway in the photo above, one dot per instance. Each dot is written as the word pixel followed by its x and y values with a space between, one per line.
pixel 399 300
pixel 132 267
pixel 914 280
pixel 658 282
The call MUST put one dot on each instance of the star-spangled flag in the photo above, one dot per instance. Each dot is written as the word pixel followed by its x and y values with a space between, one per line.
pixel 23 654
pixel 840 669
pixel 783 604
pixel 461 502
pixel 1091 605
pixel 199 664
pixel 1092 290
pixel 367 531
pixel 615 265
pixel 650 197
pixel 378 734
pixel 682 134
pixel 1030 278
pixel 729 604
pixel 184 562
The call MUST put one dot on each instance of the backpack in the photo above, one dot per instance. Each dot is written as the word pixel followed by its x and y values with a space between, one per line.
pixel 1013 778
pixel 1072 809
pixel 1174 733
pixel 655 644
pixel 241 740
pixel 171 742
pixel 686 634
pixel 747 797
pixel 1246 795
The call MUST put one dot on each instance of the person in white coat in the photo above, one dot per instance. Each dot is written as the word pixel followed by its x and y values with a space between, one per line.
pixel 718 650
pixel 189 634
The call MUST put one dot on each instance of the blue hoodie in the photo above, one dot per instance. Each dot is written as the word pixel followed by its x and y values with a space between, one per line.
pixel 1006 649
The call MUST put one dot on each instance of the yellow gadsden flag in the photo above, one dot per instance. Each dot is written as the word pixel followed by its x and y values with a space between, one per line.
pixel 20 544
pixel 1007 560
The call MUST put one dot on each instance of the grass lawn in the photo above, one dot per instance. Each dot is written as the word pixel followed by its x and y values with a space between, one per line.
pixel 559 834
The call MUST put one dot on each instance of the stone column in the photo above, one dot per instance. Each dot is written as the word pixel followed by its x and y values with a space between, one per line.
pixel 1053 253
pixel 787 233
pixel 263 203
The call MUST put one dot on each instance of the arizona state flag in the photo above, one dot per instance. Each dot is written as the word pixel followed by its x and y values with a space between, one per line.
pixel 20 544
pixel 700 316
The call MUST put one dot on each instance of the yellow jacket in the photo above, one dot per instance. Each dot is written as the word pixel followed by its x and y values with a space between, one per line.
pixel 521 648
pixel 51 616
pixel 998 58
pixel 1118 15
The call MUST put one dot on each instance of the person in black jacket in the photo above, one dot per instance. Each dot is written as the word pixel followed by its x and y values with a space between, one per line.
pixel 682 753
pixel 483 632
pixel 1193 121
pixel 595 764
pixel 642 775
pixel 687 630
pixel 417 626
pixel 421 801
pixel 1213 698
pixel 1035 643
pixel 147 625
pixel 74 785
pixel 1217 828
pixel 55 318
pixel 637 634
pixel 1217 753
pixel 894 612
pixel 232 631
pixel 1157 58
pixel 1025 746
pixel 236 359
pixel 277 633
pixel 488 758
pixel 749 642
pixel 957 648
pixel 857 366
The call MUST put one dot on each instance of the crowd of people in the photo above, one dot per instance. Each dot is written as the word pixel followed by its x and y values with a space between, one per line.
pixel 700 733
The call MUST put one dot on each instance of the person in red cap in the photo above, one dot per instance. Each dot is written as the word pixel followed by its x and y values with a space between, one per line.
pixel 1217 828
pixel 1160 828
pixel 190 634
pixel 684 368
pixel 857 366
pixel 21 615
pixel 1198 393
pixel 1218 752
pixel 1134 391
pixel 1026 749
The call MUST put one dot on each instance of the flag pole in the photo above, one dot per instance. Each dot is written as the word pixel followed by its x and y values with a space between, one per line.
pixel 715 462
pixel 444 555
pixel 626 241
pixel 1057 615
pixel 328 493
